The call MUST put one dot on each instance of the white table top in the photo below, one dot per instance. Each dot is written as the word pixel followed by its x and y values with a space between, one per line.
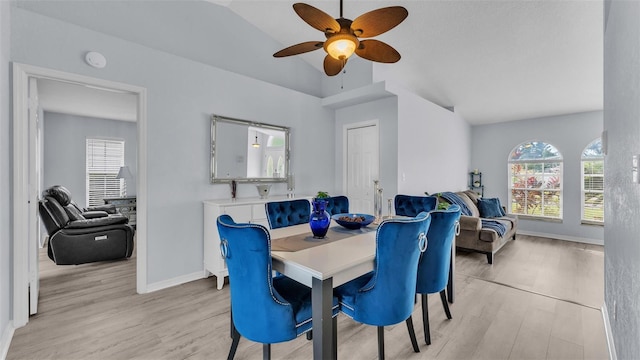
pixel 341 260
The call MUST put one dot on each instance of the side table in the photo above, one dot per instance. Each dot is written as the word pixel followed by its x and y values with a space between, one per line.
pixel 125 206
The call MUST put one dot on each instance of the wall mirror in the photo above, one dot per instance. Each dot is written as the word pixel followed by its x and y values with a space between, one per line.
pixel 248 151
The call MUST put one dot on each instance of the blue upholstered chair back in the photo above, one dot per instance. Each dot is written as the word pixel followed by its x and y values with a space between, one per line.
pixel 337 205
pixel 433 268
pixel 406 205
pixel 287 213
pixel 259 312
pixel 392 286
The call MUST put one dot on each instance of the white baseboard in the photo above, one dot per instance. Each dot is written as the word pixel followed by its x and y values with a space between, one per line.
pixel 5 341
pixel 562 237
pixel 611 346
pixel 175 281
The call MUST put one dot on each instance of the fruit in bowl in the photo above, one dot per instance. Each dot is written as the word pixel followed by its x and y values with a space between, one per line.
pixel 353 221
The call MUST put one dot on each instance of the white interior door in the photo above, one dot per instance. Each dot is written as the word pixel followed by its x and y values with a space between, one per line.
pixel 362 166
pixel 34 188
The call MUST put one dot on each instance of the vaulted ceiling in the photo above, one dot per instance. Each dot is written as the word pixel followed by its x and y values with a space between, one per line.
pixel 492 61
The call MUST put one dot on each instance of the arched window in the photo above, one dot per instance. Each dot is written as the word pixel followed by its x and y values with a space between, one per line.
pixel 535 180
pixel 593 183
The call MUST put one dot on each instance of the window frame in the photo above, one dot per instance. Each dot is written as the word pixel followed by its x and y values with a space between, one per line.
pixel 113 187
pixel 591 159
pixel 559 159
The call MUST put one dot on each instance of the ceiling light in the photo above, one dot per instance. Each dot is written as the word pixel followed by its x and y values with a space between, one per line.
pixel 341 46
pixel 256 144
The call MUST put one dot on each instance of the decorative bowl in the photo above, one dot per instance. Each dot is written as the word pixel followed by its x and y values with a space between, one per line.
pixel 263 190
pixel 353 221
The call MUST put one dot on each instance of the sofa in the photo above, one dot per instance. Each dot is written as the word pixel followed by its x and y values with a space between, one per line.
pixel 478 235
pixel 79 236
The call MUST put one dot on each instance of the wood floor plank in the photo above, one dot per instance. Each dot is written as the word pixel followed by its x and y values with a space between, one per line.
pixel 527 305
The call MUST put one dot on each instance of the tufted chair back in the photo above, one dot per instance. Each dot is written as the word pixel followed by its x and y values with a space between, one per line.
pixel 259 313
pixel 337 205
pixel 288 213
pixel 406 205
pixel 264 309
pixel 433 267
pixel 392 286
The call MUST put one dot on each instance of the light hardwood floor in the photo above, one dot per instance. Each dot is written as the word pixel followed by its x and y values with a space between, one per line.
pixel 540 300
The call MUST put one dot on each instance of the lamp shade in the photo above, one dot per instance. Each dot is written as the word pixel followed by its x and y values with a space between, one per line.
pixel 124 173
pixel 341 46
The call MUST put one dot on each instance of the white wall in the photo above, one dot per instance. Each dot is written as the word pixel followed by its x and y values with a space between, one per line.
pixel 64 159
pixel 433 146
pixel 570 134
pixel 182 94
pixel 6 269
pixel 622 206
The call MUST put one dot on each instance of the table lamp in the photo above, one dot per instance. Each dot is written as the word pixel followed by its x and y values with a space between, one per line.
pixel 124 174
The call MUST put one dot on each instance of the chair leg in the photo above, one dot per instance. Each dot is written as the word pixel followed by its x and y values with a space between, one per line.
pixel 380 342
pixel 310 335
pixel 334 341
pixel 412 334
pixel 425 319
pixel 490 258
pixel 235 335
pixel 445 305
pixel 266 351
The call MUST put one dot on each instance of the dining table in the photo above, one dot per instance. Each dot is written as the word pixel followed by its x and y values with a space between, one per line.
pixel 323 264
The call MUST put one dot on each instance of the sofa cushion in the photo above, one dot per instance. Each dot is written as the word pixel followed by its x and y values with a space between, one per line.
pixel 490 208
pixel 470 204
pixel 490 235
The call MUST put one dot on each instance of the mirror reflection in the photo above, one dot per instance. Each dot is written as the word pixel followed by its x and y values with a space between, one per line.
pixel 248 151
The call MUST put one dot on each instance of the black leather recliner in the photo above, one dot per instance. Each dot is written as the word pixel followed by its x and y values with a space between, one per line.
pixel 78 236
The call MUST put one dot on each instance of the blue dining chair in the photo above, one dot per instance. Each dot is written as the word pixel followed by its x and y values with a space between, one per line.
pixel 407 205
pixel 433 267
pixel 386 295
pixel 264 309
pixel 337 205
pixel 287 213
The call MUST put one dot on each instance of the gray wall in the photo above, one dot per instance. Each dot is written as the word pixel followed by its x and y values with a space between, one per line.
pixel 492 144
pixel 622 208
pixel 386 112
pixel 64 159
pixel 196 30
pixel 433 146
pixel 6 264
pixel 182 94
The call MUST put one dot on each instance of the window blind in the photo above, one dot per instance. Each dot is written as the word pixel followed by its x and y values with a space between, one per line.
pixel 104 159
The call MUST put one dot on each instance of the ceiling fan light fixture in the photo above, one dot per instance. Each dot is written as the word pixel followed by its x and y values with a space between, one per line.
pixel 341 46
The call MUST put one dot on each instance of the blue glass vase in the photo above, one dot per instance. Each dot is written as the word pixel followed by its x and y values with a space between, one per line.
pixel 320 219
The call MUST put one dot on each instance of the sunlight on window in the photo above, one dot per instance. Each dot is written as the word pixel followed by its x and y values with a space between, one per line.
pixel 535 186
pixel 592 204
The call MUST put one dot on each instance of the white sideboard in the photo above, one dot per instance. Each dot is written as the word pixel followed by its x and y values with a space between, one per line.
pixel 249 210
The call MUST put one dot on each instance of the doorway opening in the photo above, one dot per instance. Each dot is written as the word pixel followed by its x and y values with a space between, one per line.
pixel 27 180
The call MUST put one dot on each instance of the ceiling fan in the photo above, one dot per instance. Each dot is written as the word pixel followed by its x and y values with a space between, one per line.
pixel 343 36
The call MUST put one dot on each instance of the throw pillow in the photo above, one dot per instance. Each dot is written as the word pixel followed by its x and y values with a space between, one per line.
pixel 490 208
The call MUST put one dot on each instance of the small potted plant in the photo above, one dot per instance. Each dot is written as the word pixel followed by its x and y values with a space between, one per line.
pixel 320 219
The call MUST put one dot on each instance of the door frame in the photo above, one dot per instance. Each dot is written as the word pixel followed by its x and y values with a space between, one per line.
pixel 345 152
pixel 21 164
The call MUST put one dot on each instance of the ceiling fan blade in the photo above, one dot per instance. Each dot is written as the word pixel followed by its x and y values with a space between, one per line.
pixel 317 18
pixel 378 21
pixel 333 66
pixel 376 50
pixel 299 48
